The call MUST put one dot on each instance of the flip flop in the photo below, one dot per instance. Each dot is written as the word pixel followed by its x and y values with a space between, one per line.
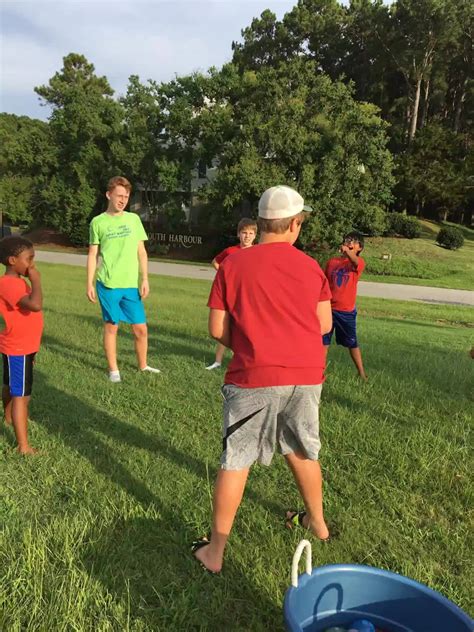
pixel 295 519
pixel 199 544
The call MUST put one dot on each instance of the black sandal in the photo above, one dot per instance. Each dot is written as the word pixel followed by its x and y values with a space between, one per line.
pixel 199 544
pixel 296 520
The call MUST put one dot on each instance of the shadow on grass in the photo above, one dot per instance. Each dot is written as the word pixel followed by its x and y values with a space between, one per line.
pixel 409 362
pixel 8 435
pixel 76 354
pixel 162 339
pixel 144 561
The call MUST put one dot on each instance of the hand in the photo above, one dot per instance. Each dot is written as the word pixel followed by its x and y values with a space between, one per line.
pixel 32 273
pixel 91 293
pixel 144 289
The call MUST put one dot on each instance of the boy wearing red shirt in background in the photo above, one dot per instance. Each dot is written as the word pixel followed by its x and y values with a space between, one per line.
pixel 343 274
pixel 246 232
pixel 20 307
pixel 270 304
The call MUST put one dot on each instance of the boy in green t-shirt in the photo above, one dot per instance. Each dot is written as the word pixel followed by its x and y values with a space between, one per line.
pixel 119 238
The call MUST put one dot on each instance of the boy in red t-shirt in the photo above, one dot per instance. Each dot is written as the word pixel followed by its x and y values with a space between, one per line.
pixel 343 273
pixel 270 304
pixel 246 232
pixel 20 307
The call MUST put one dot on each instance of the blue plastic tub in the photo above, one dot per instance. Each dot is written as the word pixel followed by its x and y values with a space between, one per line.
pixel 337 594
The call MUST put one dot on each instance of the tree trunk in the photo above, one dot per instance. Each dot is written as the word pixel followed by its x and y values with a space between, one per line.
pixel 407 120
pixel 414 113
pixel 426 104
pixel 459 106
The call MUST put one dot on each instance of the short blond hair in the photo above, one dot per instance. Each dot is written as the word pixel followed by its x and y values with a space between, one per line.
pixel 118 181
pixel 279 226
pixel 246 222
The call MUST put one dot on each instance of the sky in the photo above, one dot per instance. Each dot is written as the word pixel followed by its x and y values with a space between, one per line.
pixel 155 39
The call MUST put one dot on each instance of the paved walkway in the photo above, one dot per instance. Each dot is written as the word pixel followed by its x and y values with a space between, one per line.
pixel 365 288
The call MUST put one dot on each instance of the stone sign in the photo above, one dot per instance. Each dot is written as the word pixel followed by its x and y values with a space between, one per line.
pixel 175 240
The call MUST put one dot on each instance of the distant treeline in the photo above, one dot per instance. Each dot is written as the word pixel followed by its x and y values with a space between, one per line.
pixel 365 108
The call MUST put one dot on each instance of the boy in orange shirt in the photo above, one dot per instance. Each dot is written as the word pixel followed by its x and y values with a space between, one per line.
pixel 20 307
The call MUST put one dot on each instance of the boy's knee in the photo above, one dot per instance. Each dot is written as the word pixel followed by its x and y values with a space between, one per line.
pixel 110 328
pixel 140 331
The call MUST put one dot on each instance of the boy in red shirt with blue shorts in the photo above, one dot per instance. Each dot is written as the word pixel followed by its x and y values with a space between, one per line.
pixel 20 308
pixel 343 274
pixel 270 304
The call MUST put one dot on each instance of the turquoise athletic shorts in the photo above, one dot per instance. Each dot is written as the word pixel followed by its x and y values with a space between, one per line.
pixel 121 304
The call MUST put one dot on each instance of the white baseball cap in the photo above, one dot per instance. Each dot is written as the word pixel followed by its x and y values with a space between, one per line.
pixel 280 202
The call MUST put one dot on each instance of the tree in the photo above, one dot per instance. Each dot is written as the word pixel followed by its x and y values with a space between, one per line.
pixel 433 173
pixel 413 59
pixel 292 125
pixel 28 156
pixel 265 42
pixel 85 125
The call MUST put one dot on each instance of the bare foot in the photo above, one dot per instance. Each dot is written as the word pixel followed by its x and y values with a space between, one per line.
pixel 318 528
pixel 28 450
pixel 204 556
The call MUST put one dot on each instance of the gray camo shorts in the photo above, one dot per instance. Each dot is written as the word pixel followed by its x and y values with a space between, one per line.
pixel 259 420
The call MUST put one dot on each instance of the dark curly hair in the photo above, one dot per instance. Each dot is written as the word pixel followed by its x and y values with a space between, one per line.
pixel 356 236
pixel 12 247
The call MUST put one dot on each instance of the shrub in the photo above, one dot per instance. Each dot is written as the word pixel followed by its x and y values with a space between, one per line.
pixel 403 225
pixel 411 228
pixel 395 223
pixel 450 237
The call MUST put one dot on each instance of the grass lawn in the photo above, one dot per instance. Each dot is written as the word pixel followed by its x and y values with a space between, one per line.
pixel 421 261
pixel 96 531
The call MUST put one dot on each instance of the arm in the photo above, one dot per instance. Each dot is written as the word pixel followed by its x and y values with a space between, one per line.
pixel 33 302
pixel 143 263
pixel 219 326
pixel 91 268
pixel 350 254
pixel 214 264
pixel 324 314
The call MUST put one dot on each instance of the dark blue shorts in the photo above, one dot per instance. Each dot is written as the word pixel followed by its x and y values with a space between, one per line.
pixel 344 324
pixel 18 374
pixel 121 304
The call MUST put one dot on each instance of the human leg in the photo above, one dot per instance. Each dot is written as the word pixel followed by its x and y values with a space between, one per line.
pixel 6 396
pixel 19 377
pixel 298 438
pixel 132 311
pixel 220 350
pixel 228 492
pixel 248 435
pixel 357 359
pixel 308 477
pixel 140 333
pixel 7 404
pixel 110 346
pixel 346 336
pixel 109 299
pixel 326 344
pixel 20 424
